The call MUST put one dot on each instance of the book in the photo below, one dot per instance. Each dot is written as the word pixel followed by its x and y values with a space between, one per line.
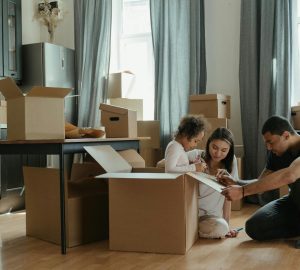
pixel 208 180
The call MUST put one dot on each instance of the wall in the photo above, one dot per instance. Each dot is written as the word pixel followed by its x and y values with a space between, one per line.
pixel 33 31
pixel 222 21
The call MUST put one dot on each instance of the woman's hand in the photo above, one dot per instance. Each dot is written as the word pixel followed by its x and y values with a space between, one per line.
pixel 201 167
pixel 232 233
pixel 225 178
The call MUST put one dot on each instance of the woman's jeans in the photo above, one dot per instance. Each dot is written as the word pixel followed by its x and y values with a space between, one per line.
pixel 277 219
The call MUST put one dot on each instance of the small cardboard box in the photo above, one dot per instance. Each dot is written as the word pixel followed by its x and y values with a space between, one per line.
pixel 296 117
pixel 37 115
pixel 213 124
pixel 120 84
pixel 151 212
pixel 119 122
pixel 86 207
pixel 210 105
pixel 149 129
pixel 130 104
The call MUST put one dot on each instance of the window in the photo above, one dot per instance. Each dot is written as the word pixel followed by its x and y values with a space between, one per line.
pixel 295 97
pixel 132 50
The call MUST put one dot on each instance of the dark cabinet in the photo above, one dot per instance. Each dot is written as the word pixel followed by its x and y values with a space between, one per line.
pixel 11 178
pixel 11 39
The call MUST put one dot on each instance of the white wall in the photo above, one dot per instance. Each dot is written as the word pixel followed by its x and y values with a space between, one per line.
pixel 222 31
pixel 33 31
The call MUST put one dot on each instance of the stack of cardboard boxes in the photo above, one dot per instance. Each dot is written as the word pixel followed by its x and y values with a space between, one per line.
pixel 216 109
pixel 123 117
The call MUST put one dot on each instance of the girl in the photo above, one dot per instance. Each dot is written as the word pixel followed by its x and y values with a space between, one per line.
pixel 214 210
pixel 189 133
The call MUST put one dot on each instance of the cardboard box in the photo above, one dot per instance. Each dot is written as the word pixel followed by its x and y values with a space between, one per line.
pixel 3 114
pixel 296 117
pixel 149 129
pixel 237 205
pixel 120 84
pixel 131 104
pixel 210 105
pixel 133 158
pixel 213 124
pixel 285 190
pixel 37 115
pixel 151 212
pixel 119 122
pixel 86 207
pixel 151 155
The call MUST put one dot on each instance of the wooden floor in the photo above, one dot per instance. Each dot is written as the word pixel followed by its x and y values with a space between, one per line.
pixel 21 252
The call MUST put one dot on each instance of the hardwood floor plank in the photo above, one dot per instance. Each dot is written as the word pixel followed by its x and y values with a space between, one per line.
pixel 21 252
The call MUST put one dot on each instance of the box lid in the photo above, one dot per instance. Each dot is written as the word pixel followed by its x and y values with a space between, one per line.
pixel 209 97
pixel 108 158
pixel 113 109
pixel 39 91
pixel 10 90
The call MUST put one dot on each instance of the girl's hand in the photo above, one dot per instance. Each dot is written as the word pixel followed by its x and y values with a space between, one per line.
pixel 201 167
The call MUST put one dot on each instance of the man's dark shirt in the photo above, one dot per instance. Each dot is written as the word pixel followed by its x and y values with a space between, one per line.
pixel 275 163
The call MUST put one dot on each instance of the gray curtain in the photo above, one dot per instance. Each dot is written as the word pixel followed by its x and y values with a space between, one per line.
pixel 179 55
pixel 92 20
pixel 265 72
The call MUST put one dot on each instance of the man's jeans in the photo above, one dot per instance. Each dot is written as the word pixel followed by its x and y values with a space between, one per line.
pixel 277 219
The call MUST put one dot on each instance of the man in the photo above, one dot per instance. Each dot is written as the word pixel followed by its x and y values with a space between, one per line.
pixel 279 218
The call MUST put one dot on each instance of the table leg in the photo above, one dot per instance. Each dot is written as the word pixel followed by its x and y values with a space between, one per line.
pixel 62 204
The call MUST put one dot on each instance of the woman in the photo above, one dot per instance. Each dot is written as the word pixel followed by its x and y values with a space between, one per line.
pixel 214 210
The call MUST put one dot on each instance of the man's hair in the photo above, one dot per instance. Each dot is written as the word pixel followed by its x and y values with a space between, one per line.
pixel 276 125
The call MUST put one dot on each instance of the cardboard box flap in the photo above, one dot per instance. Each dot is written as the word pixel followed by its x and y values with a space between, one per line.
pixel 145 176
pixel 9 89
pixel 209 97
pixel 133 158
pixel 113 109
pixel 108 158
pixel 39 91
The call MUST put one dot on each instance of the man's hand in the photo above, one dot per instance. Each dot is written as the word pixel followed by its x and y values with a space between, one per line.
pixel 233 193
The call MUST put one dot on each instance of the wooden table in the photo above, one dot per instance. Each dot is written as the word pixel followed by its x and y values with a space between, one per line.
pixel 60 148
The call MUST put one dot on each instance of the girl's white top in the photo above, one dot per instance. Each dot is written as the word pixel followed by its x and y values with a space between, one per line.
pixel 178 160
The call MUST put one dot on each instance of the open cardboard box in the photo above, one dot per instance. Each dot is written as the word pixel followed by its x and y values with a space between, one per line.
pixel 86 204
pixel 37 115
pixel 149 211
